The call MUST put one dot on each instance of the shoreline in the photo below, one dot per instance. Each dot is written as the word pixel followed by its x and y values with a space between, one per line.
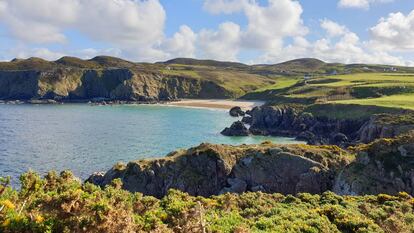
pixel 225 104
pixel 220 104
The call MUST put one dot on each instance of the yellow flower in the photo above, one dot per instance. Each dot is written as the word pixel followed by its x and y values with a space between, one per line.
pixel 39 219
pixel 6 223
pixel 8 204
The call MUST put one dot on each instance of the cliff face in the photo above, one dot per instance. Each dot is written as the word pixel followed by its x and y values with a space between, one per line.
pixel 18 84
pixel 114 84
pixel 213 169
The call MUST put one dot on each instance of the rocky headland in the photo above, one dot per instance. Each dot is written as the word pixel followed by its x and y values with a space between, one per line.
pixel 72 85
pixel 383 166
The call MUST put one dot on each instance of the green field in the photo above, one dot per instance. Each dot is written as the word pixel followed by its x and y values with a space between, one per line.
pixel 236 81
pixel 400 101
pixel 381 89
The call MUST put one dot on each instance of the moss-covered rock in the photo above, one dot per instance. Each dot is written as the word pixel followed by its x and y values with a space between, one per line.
pixel 383 166
pixel 212 169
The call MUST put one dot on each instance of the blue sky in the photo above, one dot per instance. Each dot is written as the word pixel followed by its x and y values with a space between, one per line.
pixel 261 31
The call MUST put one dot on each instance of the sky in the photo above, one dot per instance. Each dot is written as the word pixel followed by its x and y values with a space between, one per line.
pixel 248 31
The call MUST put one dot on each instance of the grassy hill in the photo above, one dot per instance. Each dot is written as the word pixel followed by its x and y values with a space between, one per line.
pixel 381 89
pixel 364 84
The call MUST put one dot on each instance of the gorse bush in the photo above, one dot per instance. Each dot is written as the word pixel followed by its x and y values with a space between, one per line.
pixel 61 203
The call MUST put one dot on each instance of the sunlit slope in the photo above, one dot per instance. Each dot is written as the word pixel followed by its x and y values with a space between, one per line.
pixel 382 89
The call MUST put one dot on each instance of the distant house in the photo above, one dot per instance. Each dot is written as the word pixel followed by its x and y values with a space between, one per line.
pixel 307 77
pixel 390 69
pixel 333 72
pixel 168 68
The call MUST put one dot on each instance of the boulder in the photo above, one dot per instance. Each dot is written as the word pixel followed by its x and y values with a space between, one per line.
pixel 339 139
pixel 96 178
pixel 247 120
pixel 281 172
pixel 236 129
pixel 236 112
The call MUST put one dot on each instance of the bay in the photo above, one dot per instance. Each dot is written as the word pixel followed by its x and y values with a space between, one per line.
pixel 85 138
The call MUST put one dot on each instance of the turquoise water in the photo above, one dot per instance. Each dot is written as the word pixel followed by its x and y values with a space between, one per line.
pixel 86 138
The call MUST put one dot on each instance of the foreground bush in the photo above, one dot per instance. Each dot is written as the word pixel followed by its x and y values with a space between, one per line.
pixel 60 203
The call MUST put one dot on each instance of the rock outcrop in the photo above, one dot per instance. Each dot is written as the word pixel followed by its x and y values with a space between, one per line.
pixel 384 166
pixel 296 122
pixel 236 129
pixel 213 169
pixel 385 126
pixel 236 111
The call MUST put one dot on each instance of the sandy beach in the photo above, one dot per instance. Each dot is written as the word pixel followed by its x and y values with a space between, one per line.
pixel 219 104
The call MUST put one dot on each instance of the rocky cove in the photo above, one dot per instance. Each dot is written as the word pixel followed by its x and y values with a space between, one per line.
pixel 350 157
pixel 342 155
pixel 384 166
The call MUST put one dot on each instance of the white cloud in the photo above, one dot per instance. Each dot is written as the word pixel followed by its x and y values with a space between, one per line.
pixel 37 21
pixel 347 48
pixel 267 26
pixel 182 44
pixel 222 44
pixel 24 52
pixel 134 29
pixel 396 32
pixel 362 4
pixel 332 28
pixel 126 24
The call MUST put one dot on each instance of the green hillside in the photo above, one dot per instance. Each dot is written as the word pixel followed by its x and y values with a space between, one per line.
pixel 382 89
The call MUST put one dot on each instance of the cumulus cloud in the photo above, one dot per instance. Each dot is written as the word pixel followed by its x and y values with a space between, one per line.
pixel 182 44
pixel 267 26
pixel 362 4
pixel 332 28
pixel 134 29
pixel 123 23
pixel 395 32
pixel 223 44
pixel 346 48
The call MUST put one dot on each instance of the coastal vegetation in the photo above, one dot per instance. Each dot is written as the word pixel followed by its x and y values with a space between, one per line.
pixel 356 176
pixel 60 203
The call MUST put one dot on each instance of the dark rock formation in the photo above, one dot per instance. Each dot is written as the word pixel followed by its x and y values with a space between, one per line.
pixel 385 126
pixel 212 169
pixel 236 112
pixel 236 129
pixel 295 122
pixel 247 119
